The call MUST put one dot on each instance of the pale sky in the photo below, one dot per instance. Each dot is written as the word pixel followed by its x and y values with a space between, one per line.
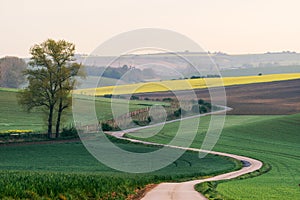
pixel 231 26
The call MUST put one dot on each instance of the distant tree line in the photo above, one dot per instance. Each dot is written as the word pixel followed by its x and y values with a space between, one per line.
pixel 11 72
pixel 207 76
pixel 126 73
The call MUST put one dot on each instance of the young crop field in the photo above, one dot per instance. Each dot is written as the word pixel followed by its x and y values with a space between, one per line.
pixel 14 117
pixel 68 170
pixel 185 84
pixel 271 139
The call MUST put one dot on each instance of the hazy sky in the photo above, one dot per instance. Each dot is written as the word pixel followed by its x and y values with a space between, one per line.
pixel 231 26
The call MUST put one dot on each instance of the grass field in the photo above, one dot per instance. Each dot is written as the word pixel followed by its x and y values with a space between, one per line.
pixel 68 171
pixel 56 170
pixel 272 139
pixel 13 116
pixel 185 84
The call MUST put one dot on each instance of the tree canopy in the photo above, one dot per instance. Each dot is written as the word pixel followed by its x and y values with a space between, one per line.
pixel 51 79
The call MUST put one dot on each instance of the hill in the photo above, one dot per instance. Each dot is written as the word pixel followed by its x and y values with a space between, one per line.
pixel 165 66
pixel 271 139
pixel 13 116
pixel 272 98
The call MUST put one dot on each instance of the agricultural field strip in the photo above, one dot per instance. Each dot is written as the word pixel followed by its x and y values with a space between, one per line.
pixel 186 84
pixel 185 190
pixel 123 132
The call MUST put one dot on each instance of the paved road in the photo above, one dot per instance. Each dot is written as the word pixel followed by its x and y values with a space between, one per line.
pixel 185 190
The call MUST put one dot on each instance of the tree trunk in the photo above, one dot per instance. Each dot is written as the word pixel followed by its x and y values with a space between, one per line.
pixel 50 119
pixel 60 109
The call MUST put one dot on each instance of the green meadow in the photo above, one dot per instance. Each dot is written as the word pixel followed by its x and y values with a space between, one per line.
pixel 14 117
pixel 67 171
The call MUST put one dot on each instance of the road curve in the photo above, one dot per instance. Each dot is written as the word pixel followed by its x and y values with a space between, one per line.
pixel 185 190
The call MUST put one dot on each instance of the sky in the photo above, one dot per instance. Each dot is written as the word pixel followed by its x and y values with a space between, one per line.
pixel 231 26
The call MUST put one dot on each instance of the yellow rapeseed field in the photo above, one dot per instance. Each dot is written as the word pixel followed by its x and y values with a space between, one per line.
pixel 186 84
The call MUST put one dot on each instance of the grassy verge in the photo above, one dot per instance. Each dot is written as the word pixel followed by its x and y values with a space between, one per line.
pixel 209 189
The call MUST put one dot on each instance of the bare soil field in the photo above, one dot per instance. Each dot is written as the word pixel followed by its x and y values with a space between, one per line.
pixel 272 98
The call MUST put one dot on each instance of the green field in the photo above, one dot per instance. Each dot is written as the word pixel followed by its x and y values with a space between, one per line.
pixel 67 169
pixel 272 139
pixel 14 117
pixel 33 171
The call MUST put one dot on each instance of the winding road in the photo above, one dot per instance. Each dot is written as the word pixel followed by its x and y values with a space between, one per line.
pixel 185 190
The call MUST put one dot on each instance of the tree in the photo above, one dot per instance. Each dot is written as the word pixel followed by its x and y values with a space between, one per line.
pixel 66 85
pixel 51 79
pixel 11 72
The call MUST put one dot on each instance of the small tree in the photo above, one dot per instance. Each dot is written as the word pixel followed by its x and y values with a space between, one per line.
pixel 50 79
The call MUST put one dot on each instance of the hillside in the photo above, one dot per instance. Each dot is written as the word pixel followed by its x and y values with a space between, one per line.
pixel 13 116
pixel 272 98
pixel 168 65
pixel 271 139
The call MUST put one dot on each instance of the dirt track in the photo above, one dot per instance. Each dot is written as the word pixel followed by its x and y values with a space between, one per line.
pixel 273 98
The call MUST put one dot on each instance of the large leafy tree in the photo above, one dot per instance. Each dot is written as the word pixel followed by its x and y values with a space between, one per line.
pixel 51 79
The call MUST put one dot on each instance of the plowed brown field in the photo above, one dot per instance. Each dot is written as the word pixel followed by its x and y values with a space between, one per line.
pixel 272 98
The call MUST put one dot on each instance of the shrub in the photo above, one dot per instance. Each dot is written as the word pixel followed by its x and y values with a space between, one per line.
pixel 107 95
pixel 69 132
pixel 194 77
pixel 106 127
pixel 203 109
pixel 208 105
pixel 179 112
pixel 200 101
pixel 167 99
pixel 133 97
pixel 141 123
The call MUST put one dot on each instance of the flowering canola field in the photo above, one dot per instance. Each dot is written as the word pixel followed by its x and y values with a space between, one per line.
pixel 186 84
